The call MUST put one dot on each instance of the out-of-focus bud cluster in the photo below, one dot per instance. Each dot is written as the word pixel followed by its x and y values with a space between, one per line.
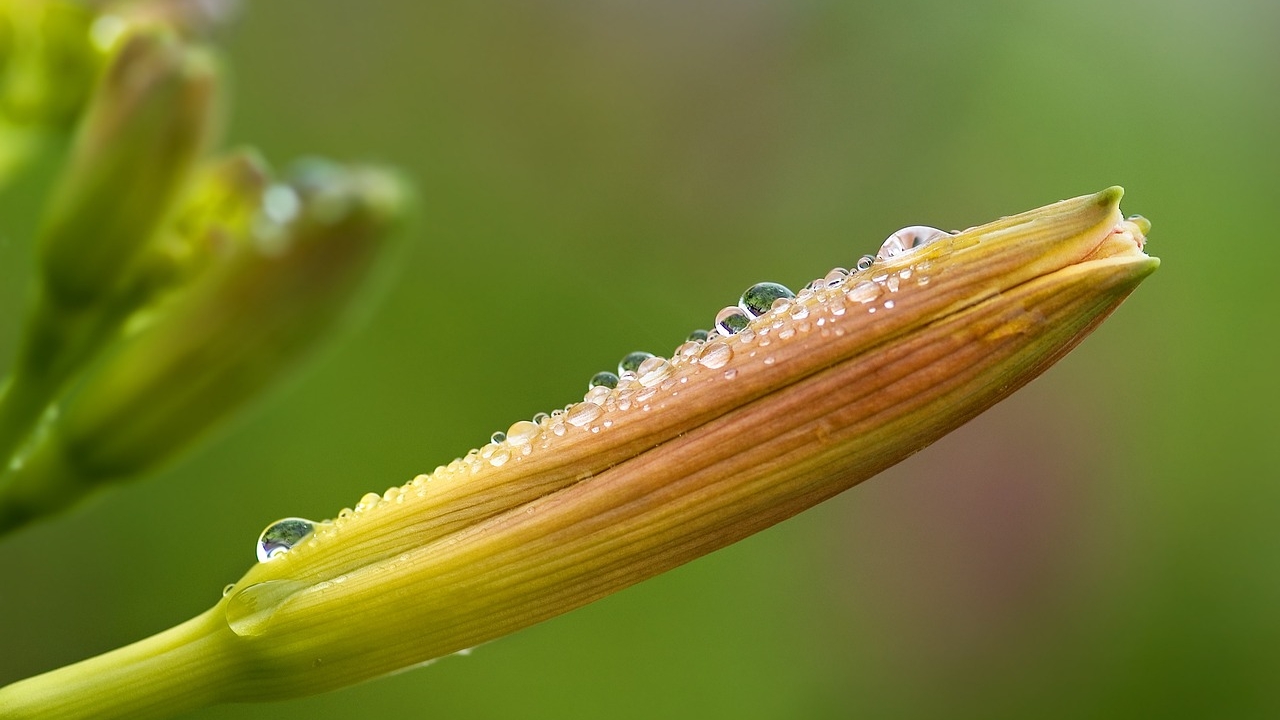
pixel 171 287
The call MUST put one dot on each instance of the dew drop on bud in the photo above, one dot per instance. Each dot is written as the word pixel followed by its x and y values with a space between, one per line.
pixel 631 362
pixel 698 336
pixel 716 355
pixel 498 437
pixel 653 371
pixel 281 535
pixel 731 320
pixel 909 238
pixel 604 378
pixel 522 432
pixel 759 298
pixel 865 262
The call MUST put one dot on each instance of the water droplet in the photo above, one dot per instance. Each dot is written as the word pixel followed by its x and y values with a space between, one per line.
pixel 498 437
pixel 836 276
pixel 759 298
pixel 652 371
pixel 522 432
pixel 597 395
pixel 500 457
pixel 769 360
pixel 731 320
pixel 909 238
pixel 604 378
pixel 731 373
pixel 864 292
pixel 227 590
pixel 716 355
pixel 282 535
pixel 689 349
pixel 698 336
pixel 888 304
pixel 541 417
pixel 368 501
pixel 582 413
pixel 632 361
pixel 865 262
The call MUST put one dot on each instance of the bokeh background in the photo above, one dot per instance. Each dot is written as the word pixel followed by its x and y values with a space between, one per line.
pixel 598 177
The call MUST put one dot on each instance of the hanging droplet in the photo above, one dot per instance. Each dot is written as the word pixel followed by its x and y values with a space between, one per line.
pixel 909 238
pixel 759 298
pixel 281 535
pixel 698 336
pixel 631 362
pixel 498 437
pixel 865 262
pixel 604 378
pixel 731 320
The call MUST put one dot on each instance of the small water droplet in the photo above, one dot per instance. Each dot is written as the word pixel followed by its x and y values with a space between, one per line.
pixel 522 432
pixel 836 276
pixel 689 349
pixel 227 590
pixel 604 378
pixel 888 304
pixel 731 373
pixel 909 238
pixel 498 437
pixel 716 355
pixel 652 371
pixel 582 413
pixel 281 535
pixel 864 292
pixel 698 336
pixel 731 320
pixel 769 360
pixel 540 418
pixel 597 395
pixel 892 283
pixel 865 262
pixel 759 298
pixel 632 361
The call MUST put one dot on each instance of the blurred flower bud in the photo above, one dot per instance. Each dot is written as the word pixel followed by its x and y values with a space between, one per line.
pixel 269 296
pixel 149 120
pixel 47 61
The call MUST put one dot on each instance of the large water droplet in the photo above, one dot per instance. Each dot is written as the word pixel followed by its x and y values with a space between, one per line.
pixel 604 378
pixel 582 413
pixel 909 238
pixel 652 371
pixel 631 362
pixel 716 355
pixel 282 535
pixel 759 298
pixel 522 432
pixel 731 320
pixel 864 292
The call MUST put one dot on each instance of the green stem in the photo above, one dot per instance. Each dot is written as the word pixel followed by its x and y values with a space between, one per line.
pixel 178 670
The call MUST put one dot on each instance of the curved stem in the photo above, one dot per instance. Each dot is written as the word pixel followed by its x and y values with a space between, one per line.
pixel 178 670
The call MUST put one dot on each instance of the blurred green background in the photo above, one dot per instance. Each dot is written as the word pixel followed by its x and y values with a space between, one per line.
pixel 598 177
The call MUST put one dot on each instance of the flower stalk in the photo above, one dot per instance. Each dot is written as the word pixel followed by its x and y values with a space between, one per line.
pixel 686 455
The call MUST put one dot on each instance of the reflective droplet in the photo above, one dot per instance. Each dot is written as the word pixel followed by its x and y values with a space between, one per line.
pixel 498 437
pixel 731 320
pixel 541 417
pixel 582 413
pixel 522 432
pixel 652 371
pixel 864 292
pixel 698 336
pixel 759 298
pixel 865 262
pixel 227 590
pixel 909 238
pixel 836 276
pixel 604 378
pixel 632 361
pixel 282 535
pixel 500 457
pixel 716 355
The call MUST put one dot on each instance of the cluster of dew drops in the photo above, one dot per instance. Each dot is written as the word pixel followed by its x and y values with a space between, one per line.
pixel 641 375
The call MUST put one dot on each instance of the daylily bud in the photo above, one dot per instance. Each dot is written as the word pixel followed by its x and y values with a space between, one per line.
pixel 149 120
pixel 270 296
pixel 808 396
pixel 48 61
